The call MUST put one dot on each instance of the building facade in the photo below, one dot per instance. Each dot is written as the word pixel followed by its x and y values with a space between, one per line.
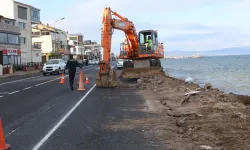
pixel 75 45
pixel 25 16
pixel 92 49
pixel 48 42
pixel 10 53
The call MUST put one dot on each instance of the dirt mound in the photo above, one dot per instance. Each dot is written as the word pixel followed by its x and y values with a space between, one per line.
pixel 197 118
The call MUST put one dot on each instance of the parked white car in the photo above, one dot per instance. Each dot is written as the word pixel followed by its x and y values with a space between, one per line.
pixel 54 66
pixel 120 63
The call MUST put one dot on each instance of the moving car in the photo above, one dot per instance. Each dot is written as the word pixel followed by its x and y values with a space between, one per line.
pixel 94 62
pixel 54 66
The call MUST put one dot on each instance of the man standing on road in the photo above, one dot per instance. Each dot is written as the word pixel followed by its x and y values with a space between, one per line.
pixel 71 66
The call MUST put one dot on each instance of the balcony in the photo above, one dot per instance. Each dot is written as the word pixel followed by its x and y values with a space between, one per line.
pixel 36 35
pixel 37 47
pixel 9 28
pixel 35 16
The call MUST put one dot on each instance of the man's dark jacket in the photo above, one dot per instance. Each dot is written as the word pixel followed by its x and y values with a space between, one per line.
pixel 71 65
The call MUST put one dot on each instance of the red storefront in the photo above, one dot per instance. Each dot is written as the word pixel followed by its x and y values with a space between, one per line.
pixel 10 57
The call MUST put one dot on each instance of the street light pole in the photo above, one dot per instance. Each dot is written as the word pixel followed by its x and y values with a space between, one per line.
pixel 56 33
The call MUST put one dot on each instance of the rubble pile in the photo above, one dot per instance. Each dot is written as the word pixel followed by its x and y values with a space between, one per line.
pixel 201 118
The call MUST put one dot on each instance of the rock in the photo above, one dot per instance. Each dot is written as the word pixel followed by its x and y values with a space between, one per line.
pixel 170 113
pixel 181 131
pixel 181 122
pixel 216 89
pixel 163 102
pixel 139 81
pixel 207 86
pixel 206 147
pixel 188 80
pixel 222 95
pixel 239 115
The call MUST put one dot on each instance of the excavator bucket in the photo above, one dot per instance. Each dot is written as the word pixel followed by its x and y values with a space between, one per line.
pixel 107 80
pixel 136 73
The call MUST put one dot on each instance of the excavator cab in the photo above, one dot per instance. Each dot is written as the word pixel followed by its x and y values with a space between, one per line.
pixel 145 48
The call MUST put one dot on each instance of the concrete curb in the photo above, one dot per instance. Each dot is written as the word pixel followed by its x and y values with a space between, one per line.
pixel 25 73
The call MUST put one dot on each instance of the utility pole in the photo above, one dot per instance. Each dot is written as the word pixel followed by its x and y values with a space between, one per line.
pixel 56 33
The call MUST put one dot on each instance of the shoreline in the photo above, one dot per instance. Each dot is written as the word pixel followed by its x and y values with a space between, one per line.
pixel 206 117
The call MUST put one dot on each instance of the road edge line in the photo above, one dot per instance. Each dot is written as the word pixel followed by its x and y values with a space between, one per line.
pixel 46 137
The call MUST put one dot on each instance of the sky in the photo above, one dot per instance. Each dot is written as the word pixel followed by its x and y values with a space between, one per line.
pixel 190 25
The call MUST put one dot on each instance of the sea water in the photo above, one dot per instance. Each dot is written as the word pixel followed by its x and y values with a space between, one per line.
pixel 228 73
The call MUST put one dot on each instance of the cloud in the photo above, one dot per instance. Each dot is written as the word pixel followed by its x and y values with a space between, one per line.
pixel 181 24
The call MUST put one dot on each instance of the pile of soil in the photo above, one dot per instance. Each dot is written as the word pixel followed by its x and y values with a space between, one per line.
pixel 204 119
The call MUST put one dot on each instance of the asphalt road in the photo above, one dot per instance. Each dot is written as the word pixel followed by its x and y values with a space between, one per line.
pixel 39 113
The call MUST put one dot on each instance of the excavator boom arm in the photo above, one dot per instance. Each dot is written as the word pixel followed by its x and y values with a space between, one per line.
pixel 123 24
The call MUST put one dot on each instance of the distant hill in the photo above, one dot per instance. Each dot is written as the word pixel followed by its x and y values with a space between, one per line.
pixel 225 51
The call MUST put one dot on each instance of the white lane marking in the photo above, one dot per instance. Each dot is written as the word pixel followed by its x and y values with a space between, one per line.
pixel 14 92
pixel 28 88
pixel 44 139
pixel 28 78
pixel 19 80
pixel 47 109
pixel 49 81
pixel 1 96
pixel 12 132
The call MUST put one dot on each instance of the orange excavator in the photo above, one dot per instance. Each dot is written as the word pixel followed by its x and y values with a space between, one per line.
pixel 143 57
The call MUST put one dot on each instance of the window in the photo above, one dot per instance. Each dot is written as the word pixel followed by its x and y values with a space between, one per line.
pixel 9 38
pixel 37 45
pixel 22 25
pixel 61 44
pixel 73 38
pixel 141 38
pixel 3 38
pixel 35 33
pixel 35 15
pixel 12 39
pixel 7 21
pixel 51 61
pixel 10 60
pixel 22 13
pixel 5 59
pixel 53 46
pixel 22 40
pixel 45 33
